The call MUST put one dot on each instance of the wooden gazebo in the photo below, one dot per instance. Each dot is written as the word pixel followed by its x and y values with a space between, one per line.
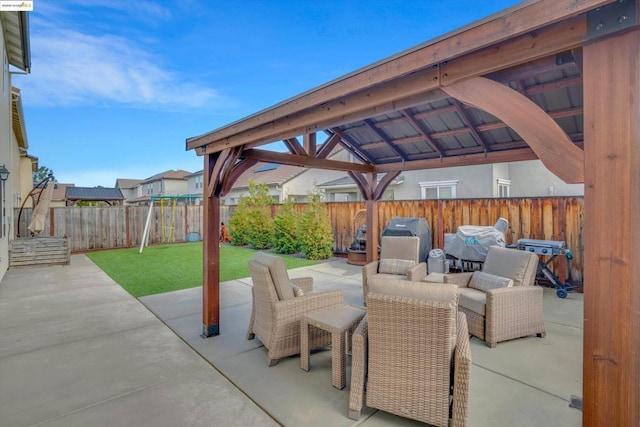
pixel 555 80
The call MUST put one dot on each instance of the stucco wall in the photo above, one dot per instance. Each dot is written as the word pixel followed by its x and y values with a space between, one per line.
pixel 533 179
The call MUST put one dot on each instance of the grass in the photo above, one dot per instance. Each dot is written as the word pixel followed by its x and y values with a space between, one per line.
pixel 173 267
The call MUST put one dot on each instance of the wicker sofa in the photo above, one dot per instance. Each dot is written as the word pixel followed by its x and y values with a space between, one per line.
pixel 276 310
pixel 411 354
pixel 399 260
pixel 501 302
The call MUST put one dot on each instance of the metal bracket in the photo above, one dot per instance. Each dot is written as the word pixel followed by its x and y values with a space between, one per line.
pixel 612 18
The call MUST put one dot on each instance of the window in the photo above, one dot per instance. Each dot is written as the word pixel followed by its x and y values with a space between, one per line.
pixel 150 188
pixel 198 180
pixel 503 187
pixel 433 190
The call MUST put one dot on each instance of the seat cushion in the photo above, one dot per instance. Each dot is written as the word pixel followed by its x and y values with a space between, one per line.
pixel 485 281
pixel 473 299
pixel 395 266
pixel 279 275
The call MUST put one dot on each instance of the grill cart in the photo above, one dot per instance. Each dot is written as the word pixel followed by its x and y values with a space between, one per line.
pixel 548 250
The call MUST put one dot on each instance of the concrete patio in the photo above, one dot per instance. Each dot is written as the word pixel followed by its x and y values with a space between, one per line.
pixel 76 349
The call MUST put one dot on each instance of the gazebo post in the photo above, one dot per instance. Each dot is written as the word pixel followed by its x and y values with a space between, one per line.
pixel 611 360
pixel 211 251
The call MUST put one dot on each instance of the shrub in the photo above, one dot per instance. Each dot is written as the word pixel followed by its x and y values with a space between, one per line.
pixel 251 223
pixel 315 233
pixel 285 225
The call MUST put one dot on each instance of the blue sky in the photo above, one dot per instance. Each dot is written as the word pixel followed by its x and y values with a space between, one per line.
pixel 117 86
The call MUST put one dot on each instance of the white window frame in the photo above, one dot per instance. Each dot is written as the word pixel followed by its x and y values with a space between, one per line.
pixel 452 183
pixel 506 184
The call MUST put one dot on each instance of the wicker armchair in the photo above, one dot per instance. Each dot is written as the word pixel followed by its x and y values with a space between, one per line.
pixel 412 350
pixel 505 304
pixel 399 259
pixel 276 310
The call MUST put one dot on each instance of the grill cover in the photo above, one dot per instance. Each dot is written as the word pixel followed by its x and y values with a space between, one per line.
pixel 400 226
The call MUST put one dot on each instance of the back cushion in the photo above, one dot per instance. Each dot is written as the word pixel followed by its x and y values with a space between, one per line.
pixel 279 275
pixel 520 266
pixel 400 247
pixel 485 281
pixel 395 266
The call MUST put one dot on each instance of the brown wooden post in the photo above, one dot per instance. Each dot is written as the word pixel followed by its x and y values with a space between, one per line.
pixel 126 226
pixel 611 365
pixel 372 230
pixel 52 223
pixel 211 253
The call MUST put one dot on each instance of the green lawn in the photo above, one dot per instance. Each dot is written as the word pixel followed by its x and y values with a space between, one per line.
pixel 172 267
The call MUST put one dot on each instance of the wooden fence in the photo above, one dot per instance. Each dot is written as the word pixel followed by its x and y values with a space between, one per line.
pixel 551 218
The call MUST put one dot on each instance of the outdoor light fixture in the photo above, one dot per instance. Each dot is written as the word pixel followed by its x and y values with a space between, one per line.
pixel 4 173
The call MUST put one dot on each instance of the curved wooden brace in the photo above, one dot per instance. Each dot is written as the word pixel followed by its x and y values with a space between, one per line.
pixel 545 137
pixel 384 183
pixel 363 185
pixel 238 169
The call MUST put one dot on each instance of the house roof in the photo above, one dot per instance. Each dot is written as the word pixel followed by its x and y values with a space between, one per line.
pixel 127 183
pixel 17 119
pixel 93 193
pixel 60 191
pixel 347 181
pixel 268 173
pixel 16 32
pixel 170 174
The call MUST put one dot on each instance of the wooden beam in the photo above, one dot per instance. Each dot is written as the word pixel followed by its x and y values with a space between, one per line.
pixel 514 155
pixel 611 364
pixel 542 133
pixel 424 133
pixel 304 161
pixel 402 93
pixel 525 18
pixel 388 142
pixel 328 146
pixel 466 119
pixel 372 230
pixel 528 47
pixel 384 183
pixel 310 143
pixel 294 146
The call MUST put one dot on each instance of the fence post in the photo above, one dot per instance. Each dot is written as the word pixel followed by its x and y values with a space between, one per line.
pixel 52 223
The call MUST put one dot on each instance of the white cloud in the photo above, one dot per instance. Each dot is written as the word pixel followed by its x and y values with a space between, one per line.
pixel 71 68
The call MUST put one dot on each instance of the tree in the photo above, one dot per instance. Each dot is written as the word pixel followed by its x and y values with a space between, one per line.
pixel 315 234
pixel 42 173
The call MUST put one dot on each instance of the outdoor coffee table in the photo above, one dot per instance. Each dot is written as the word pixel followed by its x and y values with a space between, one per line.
pixel 340 323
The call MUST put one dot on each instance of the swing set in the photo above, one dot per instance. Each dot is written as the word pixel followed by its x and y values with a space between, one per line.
pixel 168 230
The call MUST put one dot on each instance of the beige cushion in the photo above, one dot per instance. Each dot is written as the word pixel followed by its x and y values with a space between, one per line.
pixel 485 281
pixel 297 290
pixel 434 278
pixel 400 247
pixel 385 279
pixel 279 275
pixel 395 266
pixel 520 266
pixel 473 299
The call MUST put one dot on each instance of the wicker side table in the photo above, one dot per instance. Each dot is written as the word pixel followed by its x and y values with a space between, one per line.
pixel 340 323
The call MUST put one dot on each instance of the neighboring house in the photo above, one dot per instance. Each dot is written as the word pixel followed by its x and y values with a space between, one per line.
pixel 168 183
pixel 109 196
pixel 129 188
pixel 59 195
pixel 14 160
pixel 517 179
pixel 195 187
